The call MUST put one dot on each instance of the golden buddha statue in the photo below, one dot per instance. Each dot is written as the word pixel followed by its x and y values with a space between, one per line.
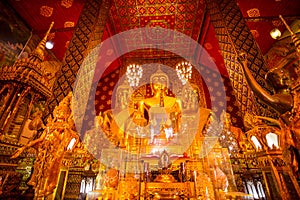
pixel 123 96
pixel 121 110
pixel 114 122
pixel 160 113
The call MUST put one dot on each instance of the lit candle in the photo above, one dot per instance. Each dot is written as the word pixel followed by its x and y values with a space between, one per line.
pixel 195 182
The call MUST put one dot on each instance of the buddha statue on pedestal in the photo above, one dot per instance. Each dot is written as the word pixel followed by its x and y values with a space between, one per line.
pixel 160 113
pixel 164 163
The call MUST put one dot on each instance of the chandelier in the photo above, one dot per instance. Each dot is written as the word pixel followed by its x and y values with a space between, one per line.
pixel 184 71
pixel 134 73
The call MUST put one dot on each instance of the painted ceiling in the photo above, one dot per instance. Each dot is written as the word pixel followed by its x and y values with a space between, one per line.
pixel 186 16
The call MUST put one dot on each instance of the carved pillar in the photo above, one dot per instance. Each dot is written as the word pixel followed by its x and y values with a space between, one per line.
pixel 6 94
pixel 20 100
pixel 88 34
pixel 8 102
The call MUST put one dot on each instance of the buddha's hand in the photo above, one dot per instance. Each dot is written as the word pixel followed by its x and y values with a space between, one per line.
pixel 18 152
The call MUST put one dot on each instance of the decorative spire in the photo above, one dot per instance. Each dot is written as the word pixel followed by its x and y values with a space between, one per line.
pixel 39 50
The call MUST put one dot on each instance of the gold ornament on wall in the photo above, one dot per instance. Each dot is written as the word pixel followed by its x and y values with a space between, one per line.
pixel 46 11
pixel 66 3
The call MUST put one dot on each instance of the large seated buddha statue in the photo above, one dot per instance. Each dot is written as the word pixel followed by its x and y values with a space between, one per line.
pixel 161 113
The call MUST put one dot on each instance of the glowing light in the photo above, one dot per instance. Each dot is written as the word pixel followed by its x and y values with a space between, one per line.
pixel 272 140
pixel 184 71
pixel 71 144
pixel 134 73
pixel 256 142
pixel 275 33
pixel 49 44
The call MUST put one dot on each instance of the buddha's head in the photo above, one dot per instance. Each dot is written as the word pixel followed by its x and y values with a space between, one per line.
pixel 279 78
pixel 159 80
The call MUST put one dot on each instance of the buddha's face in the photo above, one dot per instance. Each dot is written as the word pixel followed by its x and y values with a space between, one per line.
pixel 280 79
pixel 284 78
pixel 159 82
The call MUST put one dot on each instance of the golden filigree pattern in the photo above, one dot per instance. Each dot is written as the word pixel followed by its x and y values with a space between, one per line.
pixel 254 12
pixel 66 3
pixel 277 23
pixel 67 44
pixel 46 11
pixel 51 36
pixel 255 33
pixel 69 24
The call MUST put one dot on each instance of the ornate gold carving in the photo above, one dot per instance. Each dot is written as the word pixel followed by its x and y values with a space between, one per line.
pixel 255 33
pixel 58 137
pixel 69 24
pixel 254 12
pixel 169 190
pixel 32 71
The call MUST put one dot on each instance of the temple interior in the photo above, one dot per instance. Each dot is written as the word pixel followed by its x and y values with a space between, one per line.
pixel 149 99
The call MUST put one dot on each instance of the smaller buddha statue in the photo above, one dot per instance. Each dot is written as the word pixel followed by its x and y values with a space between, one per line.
pixel 123 96
pixel 191 98
pixel 164 163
